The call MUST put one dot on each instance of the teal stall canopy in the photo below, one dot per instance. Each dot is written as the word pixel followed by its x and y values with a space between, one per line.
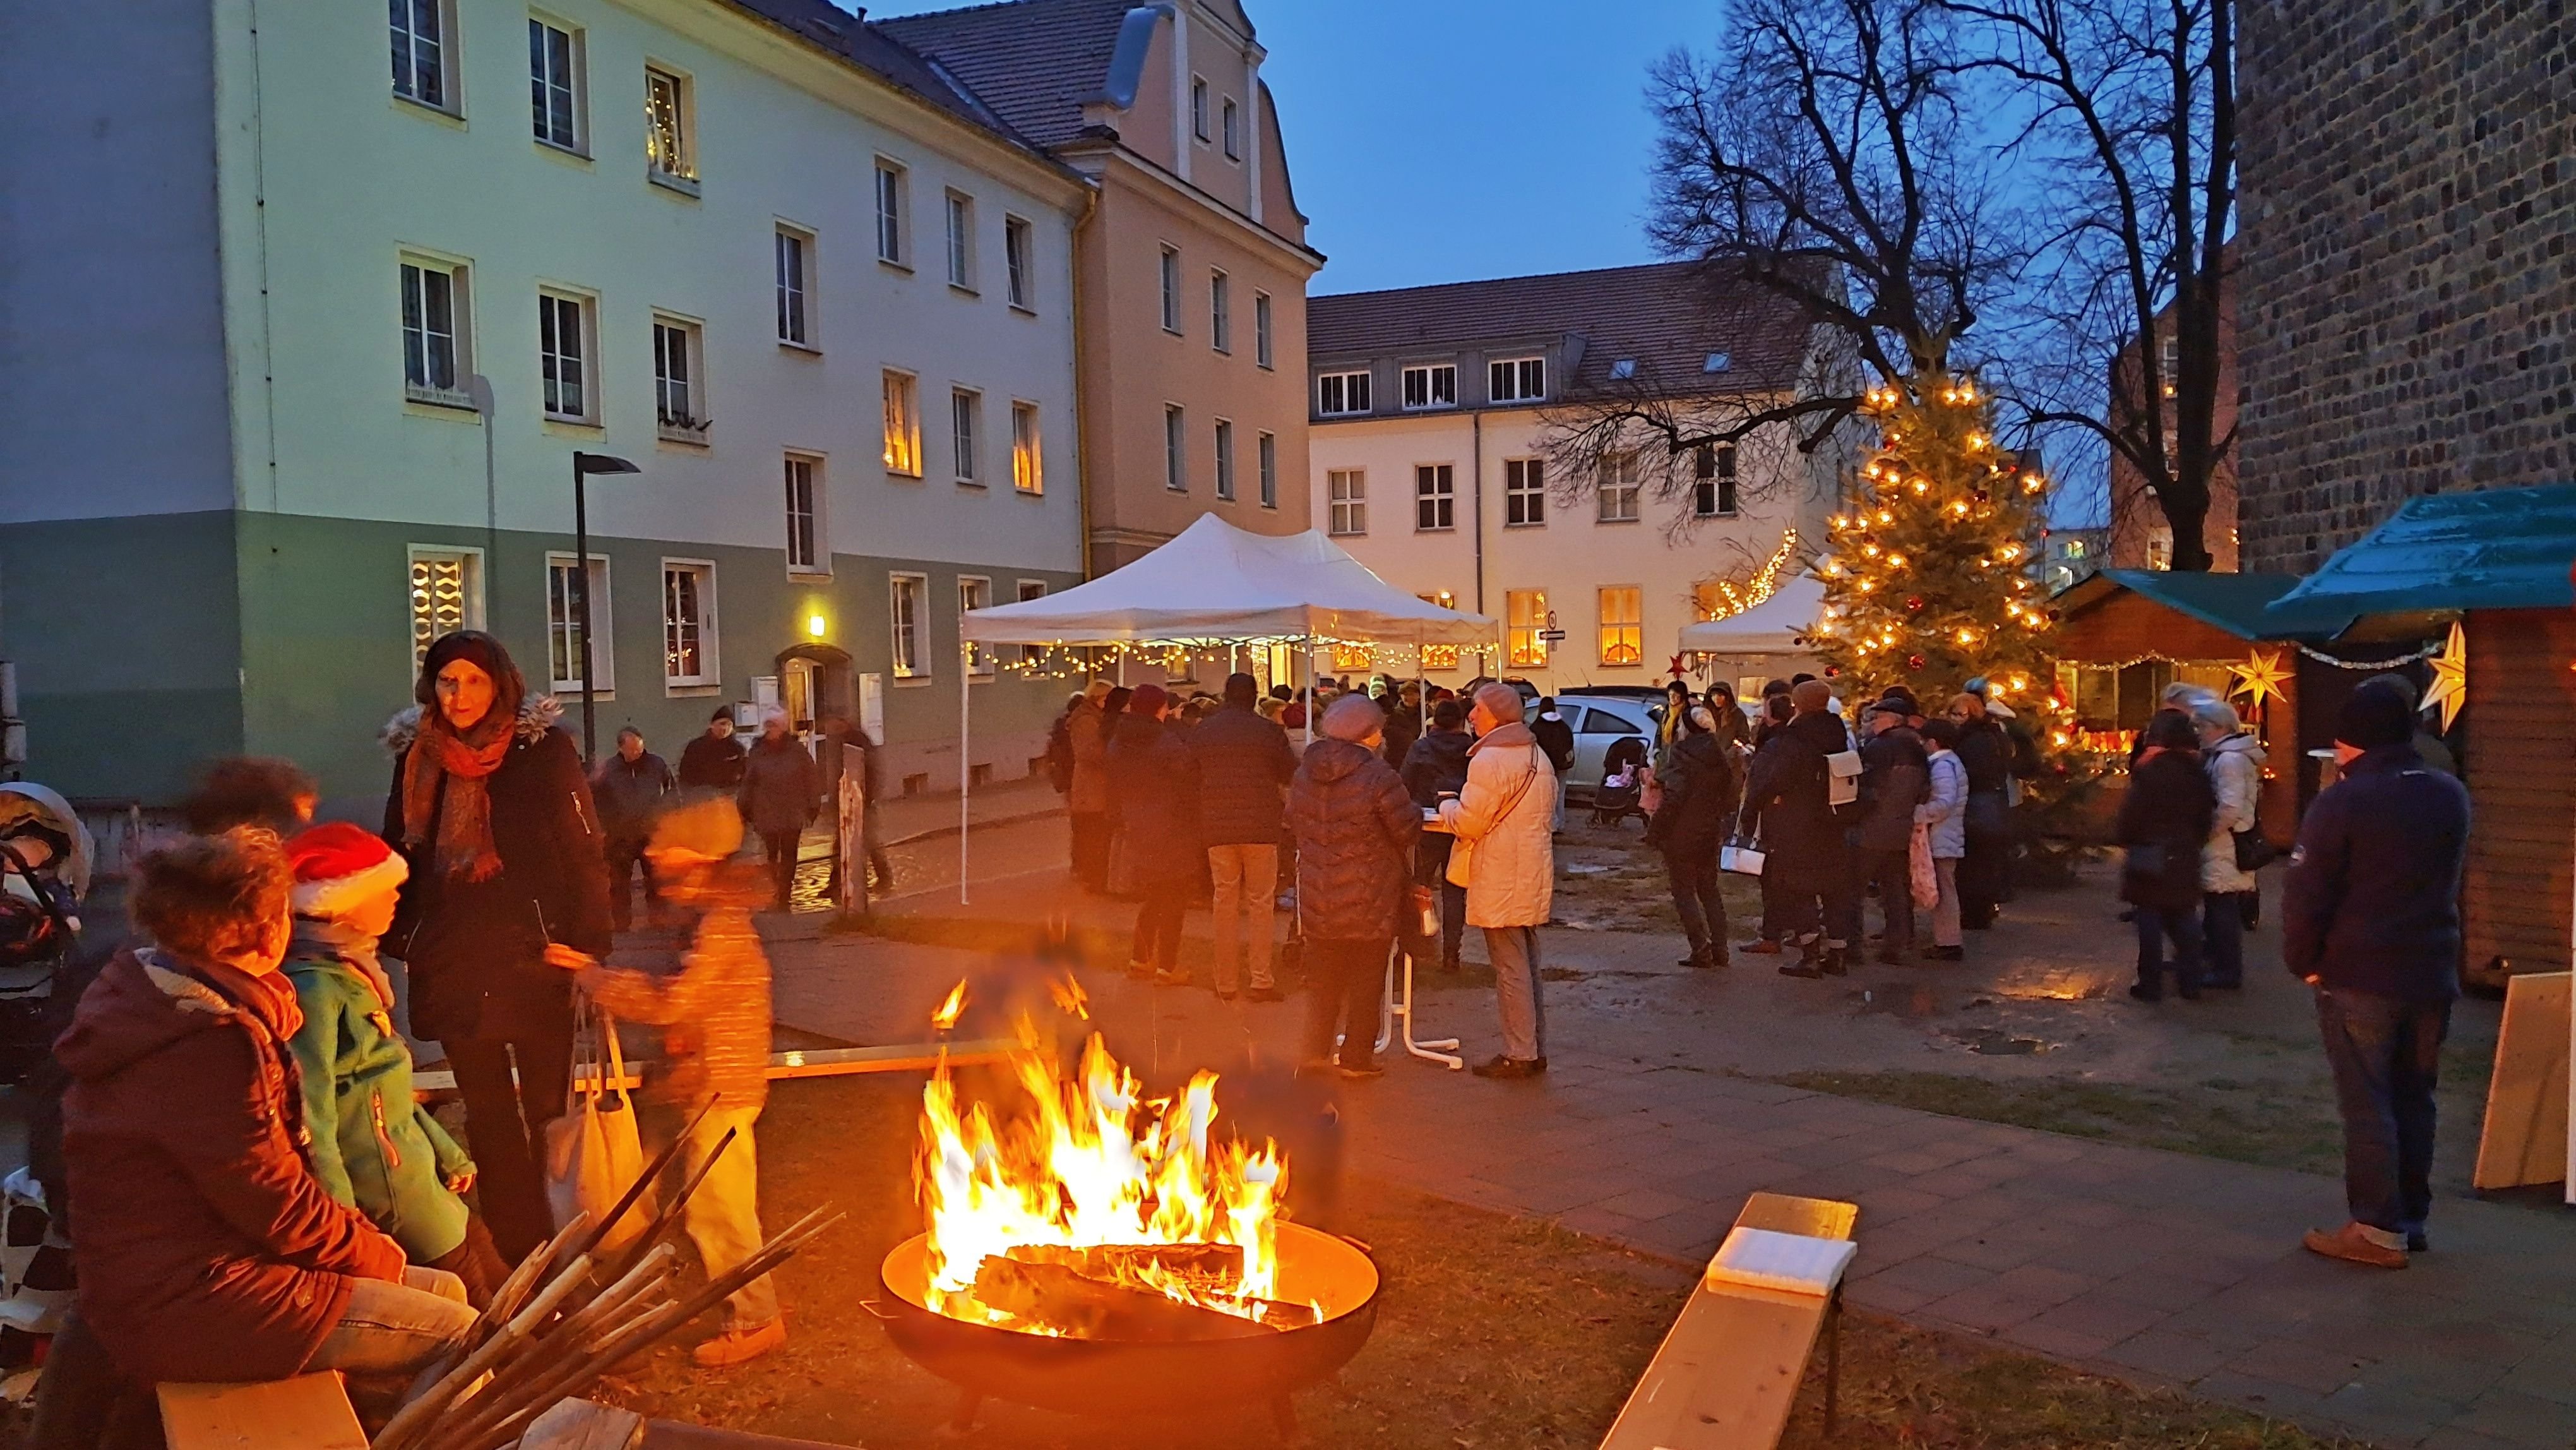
pixel 2240 604
pixel 2501 548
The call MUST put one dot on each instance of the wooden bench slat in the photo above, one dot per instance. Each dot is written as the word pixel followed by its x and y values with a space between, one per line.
pixel 308 1412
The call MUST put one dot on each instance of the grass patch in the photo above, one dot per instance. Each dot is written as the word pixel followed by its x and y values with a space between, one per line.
pixel 2269 1123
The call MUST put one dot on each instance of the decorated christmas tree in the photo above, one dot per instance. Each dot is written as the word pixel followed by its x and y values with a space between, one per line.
pixel 1927 573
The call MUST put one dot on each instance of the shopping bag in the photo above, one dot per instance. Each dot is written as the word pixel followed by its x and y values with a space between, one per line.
pixel 1922 878
pixel 1417 923
pixel 595 1152
pixel 1741 859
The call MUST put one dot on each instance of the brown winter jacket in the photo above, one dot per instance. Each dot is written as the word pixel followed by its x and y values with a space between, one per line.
pixel 1088 729
pixel 1355 826
pixel 208 1250
pixel 714 1012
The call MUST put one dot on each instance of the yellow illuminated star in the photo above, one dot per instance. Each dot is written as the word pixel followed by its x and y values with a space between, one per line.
pixel 2450 688
pixel 2261 677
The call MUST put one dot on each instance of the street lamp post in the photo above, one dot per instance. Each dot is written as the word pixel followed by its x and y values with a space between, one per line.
pixel 583 466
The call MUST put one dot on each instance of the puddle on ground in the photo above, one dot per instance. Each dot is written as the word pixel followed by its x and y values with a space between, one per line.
pixel 1994 1042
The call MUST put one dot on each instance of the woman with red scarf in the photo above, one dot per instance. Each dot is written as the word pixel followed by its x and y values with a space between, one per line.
pixel 492 811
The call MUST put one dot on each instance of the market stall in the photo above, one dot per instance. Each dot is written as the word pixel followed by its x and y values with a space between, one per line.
pixel 1768 641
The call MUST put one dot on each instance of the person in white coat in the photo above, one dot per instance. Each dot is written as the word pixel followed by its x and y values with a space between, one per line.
pixel 2234 760
pixel 1945 812
pixel 1506 858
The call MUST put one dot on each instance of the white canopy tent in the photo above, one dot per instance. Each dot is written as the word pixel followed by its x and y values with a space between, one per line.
pixel 1773 627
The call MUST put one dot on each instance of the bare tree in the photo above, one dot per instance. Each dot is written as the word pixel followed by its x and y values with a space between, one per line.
pixel 2132 118
pixel 1824 154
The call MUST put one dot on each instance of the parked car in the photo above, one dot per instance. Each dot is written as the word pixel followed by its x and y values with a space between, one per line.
pixel 1598 721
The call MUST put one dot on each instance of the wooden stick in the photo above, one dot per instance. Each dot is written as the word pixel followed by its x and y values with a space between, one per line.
pixel 668 1221
pixel 448 1386
pixel 644 1180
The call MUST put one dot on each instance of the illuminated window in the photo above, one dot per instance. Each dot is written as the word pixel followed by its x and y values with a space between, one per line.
pixel 688 623
pixel 1349 657
pixel 446 595
pixel 1622 625
pixel 670 155
pixel 902 425
pixel 907 594
pixel 1028 471
pixel 1525 614
pixel 2160 547
pixel 974 593
pixel 1440 657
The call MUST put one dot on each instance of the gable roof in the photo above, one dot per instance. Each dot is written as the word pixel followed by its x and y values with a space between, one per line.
pixel 866 47
pixel 1664 317
pixel 1033 61
pixel 2239 604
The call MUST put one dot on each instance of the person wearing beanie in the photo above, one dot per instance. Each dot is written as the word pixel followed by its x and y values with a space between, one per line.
pixel 1788 803
pixel 374 1146
pixel 2370 920
pixel 781 793
pixel 1504 817
pixel 1244 764
pixel 1355 827
pixel 1155 853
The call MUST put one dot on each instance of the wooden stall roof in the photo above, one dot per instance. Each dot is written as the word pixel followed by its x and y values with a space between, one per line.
pixel 2235 605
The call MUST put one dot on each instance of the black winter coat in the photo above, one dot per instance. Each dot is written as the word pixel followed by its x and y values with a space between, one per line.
pixel 1555 739
pixel 782 787
pixel 1154 797
pixel 1789 794
pixel 2372 901
pixel 1895 775
pixel 2164 821
pixel 1701 791
pixel 1244 763
pixel 1403 727
pixel 1437 762
pixel 628 792
pixel 1356 827
pixel 1985 752
pixel 475 948
pixel 711 764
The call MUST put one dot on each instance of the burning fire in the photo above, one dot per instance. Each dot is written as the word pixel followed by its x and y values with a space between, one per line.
pixel 1125 1194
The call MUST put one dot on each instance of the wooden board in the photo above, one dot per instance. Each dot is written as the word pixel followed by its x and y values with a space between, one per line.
pixel 808 1062
pixel 583 1425
pixel 308 1412
pixel 2525 1136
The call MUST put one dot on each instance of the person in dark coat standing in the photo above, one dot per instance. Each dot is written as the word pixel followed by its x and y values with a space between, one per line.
pixel 782 789
pixel 1356 826
pixel 1777 712
pixel 1895 773
pixel 2370 920
pixel 1789 795
pixel 1244 763
pixel 1701 790
pixel 1436 769
pixel 1154 791
pixel 713 761
pixel 629 787
pixel 492 813
pixel 1403 723
pixel 1986 752
pixel 2164 821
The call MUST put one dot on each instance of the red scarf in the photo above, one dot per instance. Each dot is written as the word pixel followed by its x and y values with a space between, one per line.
pixel 463 846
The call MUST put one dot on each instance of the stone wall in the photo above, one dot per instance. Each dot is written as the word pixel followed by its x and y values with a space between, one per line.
pixel 2408 246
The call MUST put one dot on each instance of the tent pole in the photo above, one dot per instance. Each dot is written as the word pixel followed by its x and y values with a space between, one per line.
pixel 965 772
pixel 1311 704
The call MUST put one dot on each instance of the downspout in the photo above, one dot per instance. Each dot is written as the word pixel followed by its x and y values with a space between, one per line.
pixel 1081 441
pixel 1476 504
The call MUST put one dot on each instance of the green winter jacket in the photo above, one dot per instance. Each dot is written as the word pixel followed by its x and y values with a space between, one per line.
pixel 374 1146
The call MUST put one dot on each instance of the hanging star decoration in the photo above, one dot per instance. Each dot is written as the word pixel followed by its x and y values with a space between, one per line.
pixel 1677 668
pixel 2450 688
pixel 2261 676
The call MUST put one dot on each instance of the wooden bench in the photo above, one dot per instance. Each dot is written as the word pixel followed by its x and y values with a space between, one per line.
pixel 308 1412
pixel 1727 1373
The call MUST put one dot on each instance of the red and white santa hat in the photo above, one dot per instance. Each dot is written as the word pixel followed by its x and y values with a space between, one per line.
pixel 338 865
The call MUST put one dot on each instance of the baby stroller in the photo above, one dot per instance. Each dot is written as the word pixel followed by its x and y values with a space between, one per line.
pixel 45 861
pixel 1623 782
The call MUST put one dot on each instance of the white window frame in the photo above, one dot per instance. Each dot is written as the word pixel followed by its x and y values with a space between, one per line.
pixel 469 562
pixel 1230 127
pixel 1346 502
pixel 569 83
pixel 958 213
pixel 816 560
pixel 1523 646
pixel 1435 498
pixel 902 398
pixel 1632 632
pixel 1510 379
pixel 1026 590
pixel 1430 376
pixel 1171 264
pixel 1220 310
pixel 459 333
pixel 1262 352
pixel 690 423
pixel 1225 460
pixel 441 15
pixel 603 628
pixel 1524 493
pixel 1199 109
pixel 1622 490
pixel 1176 448
pixel 579 383
pixel 894 213
pixel 1267 446
pixel 797 315
pixel 908 659
pixel 1716 494
pixel 671 145
pixel 1019 261
pixel 982 661
pixel 710 672
pixel 1350 389
pixel 966 434
pixel 1028 448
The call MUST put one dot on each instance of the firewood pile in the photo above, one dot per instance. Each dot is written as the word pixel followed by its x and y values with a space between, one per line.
pixel 572 1312
pixel 1117 1291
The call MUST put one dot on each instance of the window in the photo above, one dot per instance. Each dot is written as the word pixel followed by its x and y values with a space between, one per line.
pixel 1261 328
pixel 679 403
pixel 1220 314
pixel 961 241
pixel 564 588
pixel 1713 492
pixel 446 595
pixel 2160 547
pixel 669 154
pixel 563 352
pixel 1233 130
pixel 1028 461
pixel 1435 497
pixel 974 593
pixel 554 85
pixel 1516 380
pixel 891 248
pixel 1176 475
pixel 807 552
pixel 1432 386
pixel 420 51
pixel 1620 487
pixel 965 425
pixel 1032 589
pixel 795 270
pixel 1525 615
pixel 1340 394
pixel 1017 239
pixel 1225 459
pixel 1622 621
pixel 1171 291
pixel 433 315
pixel 1268 446
pixel 1346 491
pixel 1524 493
pixel 689 624
pixel 1198 108
pixel 902 425
pixel 2168 362
pixel 909 593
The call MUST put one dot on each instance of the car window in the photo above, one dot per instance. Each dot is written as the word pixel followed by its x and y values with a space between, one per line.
pixel 1603 720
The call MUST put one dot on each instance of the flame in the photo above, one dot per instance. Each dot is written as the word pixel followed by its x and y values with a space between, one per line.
pixel 1070 999
pixel 950 1010
pixel 1092 1162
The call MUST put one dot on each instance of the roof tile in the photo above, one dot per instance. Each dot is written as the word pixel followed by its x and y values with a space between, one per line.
pixel 1033 61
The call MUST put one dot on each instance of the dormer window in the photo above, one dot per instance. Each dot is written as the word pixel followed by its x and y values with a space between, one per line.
pixel 1624 369
pixel 1717 362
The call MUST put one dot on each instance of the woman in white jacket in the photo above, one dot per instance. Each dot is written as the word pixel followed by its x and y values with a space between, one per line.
pixel 2233 759
pixel 1945 811
pixel 1502 819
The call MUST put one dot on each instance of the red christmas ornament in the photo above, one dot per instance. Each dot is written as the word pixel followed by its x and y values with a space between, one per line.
pixel 1914 602
pixel 1914 662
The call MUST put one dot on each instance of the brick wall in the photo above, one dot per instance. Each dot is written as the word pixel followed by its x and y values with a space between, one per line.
pixel 2408 260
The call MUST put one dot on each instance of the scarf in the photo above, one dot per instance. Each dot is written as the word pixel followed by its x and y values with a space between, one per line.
pixel 463 847
pixel 316 938
pixel 268 1000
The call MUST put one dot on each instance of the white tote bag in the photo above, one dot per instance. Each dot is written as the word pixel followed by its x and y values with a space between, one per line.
pixel 594 1152
pixel 1742 860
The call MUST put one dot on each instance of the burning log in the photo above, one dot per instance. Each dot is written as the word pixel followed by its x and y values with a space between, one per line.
pixel 1069 1302
pixel 1219 1265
